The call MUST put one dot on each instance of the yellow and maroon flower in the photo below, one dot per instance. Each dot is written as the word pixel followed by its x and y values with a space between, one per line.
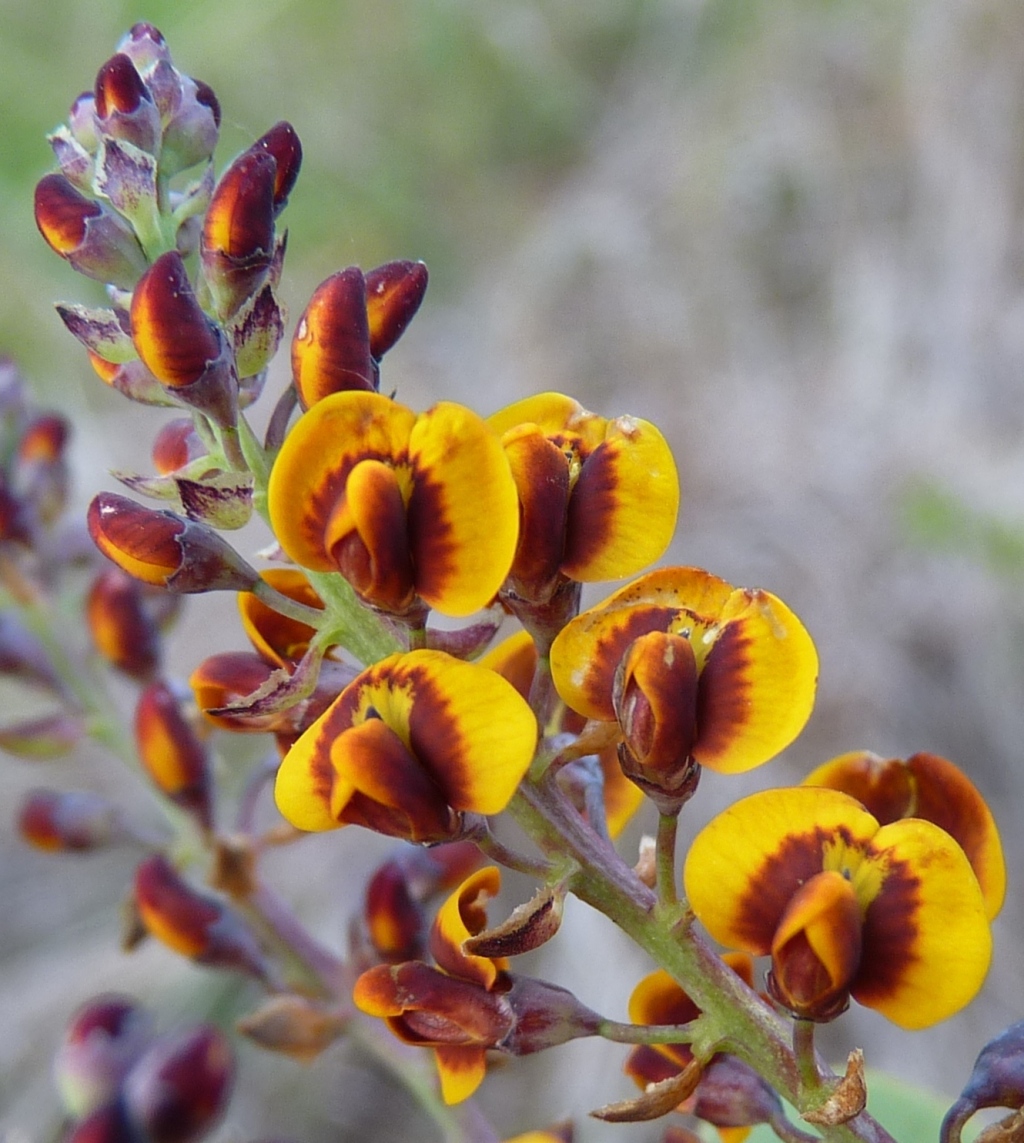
pixel 408 747
pixel 469 1003
pixel 930 787
pixel 598 497
pixel 891 915
pixel 408 508
pixel 694 670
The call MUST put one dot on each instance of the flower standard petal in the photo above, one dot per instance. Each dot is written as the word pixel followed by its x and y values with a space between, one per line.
pixel 927 942
pixel 463 510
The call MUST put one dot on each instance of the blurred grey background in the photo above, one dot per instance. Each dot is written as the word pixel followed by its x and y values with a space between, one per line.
pixel 788 231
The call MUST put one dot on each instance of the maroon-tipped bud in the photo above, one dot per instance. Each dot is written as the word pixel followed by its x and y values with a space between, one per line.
pixel 545 1016
pixel 331 346
pixel 172 753
pixel 166 550
pixel 125 631
pixel 103 1040
pixel 180 1088
pixel 238 233
pixel 282 142
pixel 175 339
pixel 395 922
pixel 394 292
pixel 732 1094
pixel 176 445
pixel 124 107
pixel 75 821
pixel 95 240
pixel 145 45
pixel 207 97
pixel 193 924
pixel 179 344
pixel 41 471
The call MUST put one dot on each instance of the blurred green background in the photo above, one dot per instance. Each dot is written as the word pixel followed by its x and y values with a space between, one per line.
pixel 789 231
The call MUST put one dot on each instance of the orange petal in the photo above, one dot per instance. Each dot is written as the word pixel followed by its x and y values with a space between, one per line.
pixel 463 915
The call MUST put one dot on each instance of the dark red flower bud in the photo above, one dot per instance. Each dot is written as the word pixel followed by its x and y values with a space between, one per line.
pixel 165 550
pixel 331 346
pixel 95 240
pixel 119 87
pixel 395 922
pixel 176 445
pixel 207 97
pixel 394 292
pixel 172 335
pixel 282 142
pixel 193 924
pixel 101 1043
pixel 124 626
pixel 145 45
pixel 75 821
pixel 238 232
pixel 172 753
pixel 124 107
pixel 180 1088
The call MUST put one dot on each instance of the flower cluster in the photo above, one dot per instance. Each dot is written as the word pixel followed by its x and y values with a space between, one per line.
pixel 404 542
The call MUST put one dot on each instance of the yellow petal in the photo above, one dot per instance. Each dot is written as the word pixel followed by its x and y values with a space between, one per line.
pixel 462 916
pixel 927 942
pixel 745 865
pixel 463 510
pixel 461 1070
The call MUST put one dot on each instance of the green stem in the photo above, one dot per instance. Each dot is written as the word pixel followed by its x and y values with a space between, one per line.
pixel 284 605
pixel 736 1019
pixel 806 1059
pixel 353 626
pixel 647 1033
pixel 665 859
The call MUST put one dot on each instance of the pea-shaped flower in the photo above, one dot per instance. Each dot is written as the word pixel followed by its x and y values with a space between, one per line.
pixel 930 787
pixel 891 915
pixel 694 670
pixel 407 747
pixel 410 509
pixel 599 497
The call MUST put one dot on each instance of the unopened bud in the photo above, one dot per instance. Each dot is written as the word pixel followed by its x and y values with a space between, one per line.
pixel 94 239
pixel 293 1026
pixel 193 924
pixel 172 754
pixel 102 1041
pixel 176 445
pixel 106 1124
pixel 73 821
pixel 394 292
pixel 48 736
pixel 331 346
pixel 124 108
pixel 124 630
pixel 282 142
pixel 180 1088
pixel 996 1081
pixel 179 344
pixel 395 922
pixel 165 550
pixel 238 233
